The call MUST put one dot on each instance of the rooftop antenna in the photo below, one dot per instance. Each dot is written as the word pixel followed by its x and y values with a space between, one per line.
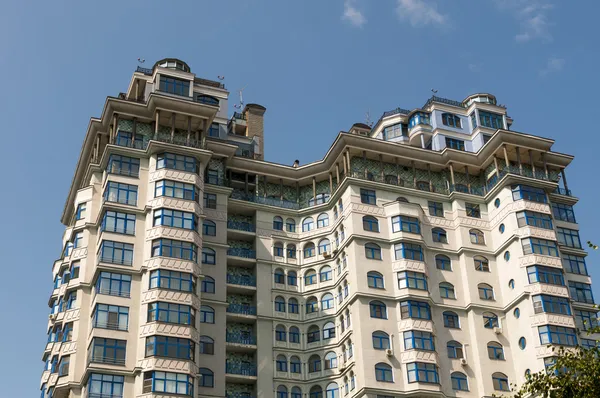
pixel 434 91
pixel 241 104
pixel 141 60
pixel 368 118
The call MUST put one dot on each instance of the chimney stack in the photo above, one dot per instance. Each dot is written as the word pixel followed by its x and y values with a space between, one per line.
pixel 255 127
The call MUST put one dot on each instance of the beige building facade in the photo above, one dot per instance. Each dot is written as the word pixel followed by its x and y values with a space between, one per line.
pixel 434 254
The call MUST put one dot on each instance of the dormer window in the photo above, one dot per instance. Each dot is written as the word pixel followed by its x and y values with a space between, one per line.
pixel 207 99
pixel 174 86
pixel 451 120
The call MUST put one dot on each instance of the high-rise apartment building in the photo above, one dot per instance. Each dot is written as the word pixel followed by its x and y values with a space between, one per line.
pixel 434 254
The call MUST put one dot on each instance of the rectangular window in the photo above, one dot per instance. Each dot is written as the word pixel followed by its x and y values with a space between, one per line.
pixel 473 210
pixel 177 162
pixel 585 343
pixel 101 385
pixel 214 130
pixel 74 270
pixel 174 249
pixel 408 251
pixel 121 223
pixel 586 320
pixel 539 246
pixel 395 130
pixel 78 239
pixel 174 189
pixel 80 212
pixel 112 317
pixel 169 347
pixel 453 143
pixel 415 309
pixel 175 219
pixel 109 351
pixel 172 280
pixel 415 340
pixel 212 177
pixel 123 165
pixel 534 219
pixel 581 292
pixel 63 366
pixel 127 139
pixel 551 304
pixel 405 224
pixel 121 193
pixel 167 382
pixel 529 193
pixel 174 86
pixel 491 120
pixel 115 253
pixel 549 275
pixel 563 212
pixel 422 372
pixel 574 264
pixel 113 284
pixel 210 201
pixel 171 313
pixel 412 280
pixel 550 334
pixel 436 209
pixel 568 237
pixel 473 120
pixel 368 196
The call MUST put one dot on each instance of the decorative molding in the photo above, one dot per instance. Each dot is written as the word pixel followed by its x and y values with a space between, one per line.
pixel 168 365
pixel 174 233
pixel 172 264
pixel 176 204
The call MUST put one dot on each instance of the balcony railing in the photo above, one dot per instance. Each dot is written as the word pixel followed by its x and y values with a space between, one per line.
pixel 563 191
pixel 241 226
pixel 110 325
pixel 241 252
pixel 111 260
pixel 241 338
pixel 240 369
pixel 108 360
pixel 250 197
pixel 239 395
pixel 242 280
pixel 243 309
pixel 239 115
pixel 113 292
pixel 145 71
pixel 212 180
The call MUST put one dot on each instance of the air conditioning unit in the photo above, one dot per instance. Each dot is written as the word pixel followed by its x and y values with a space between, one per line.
pixel 463 361
pixel 326 254
pixel 498 330
pixel 389 352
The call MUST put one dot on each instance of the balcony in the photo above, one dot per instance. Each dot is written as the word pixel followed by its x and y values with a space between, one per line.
pixel 110 325
pixel 241 226
pixel 240 338
pixel 242 309
pixel 214 180
pixel 105 360
pixel 114 260
pixel 562 191
pixel 240 369
pixel 241 252
pixel 241 280
pixel 250 197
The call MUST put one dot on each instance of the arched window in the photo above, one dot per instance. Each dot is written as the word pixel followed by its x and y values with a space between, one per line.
pixel 327 301
pixel 490 320
pixel 381 340
pixel 328 330
pixel 447 290
pixel 316 392
pixel 459 381
pixel 281 363
pixel 383 372
pixel 342 233
pixel 295 366
pixel 279 304
pixel 280 333
pixel 486 292
pixel 208 256
pixel 373 251
pixel 455 349
pixel 314 365
pixel 402 199
pixel 209 228
pixel 282 391
pixel 310 277
pixel 325 273
pixel 291 250
pixel 290 225
pixel 500 381
pixel 330 360
pixel 481 264
pixel 451 320
pixel 322 220
pixel 443 262
pixel 335 213
pixel 370 223
pixel 308 224
pixel 332 388
pixel 207 345
pixel 293 306
pixel 313 334
pixel 324 246
pixel 279 276
pixel 495 351
pixel 451 120
pixel 312 305
pixel 375 280
pixel 294 334
pixel 391 179
pixel 342 323
pixel 378 309
pixel 278 249
pixel 207 314
pixel 340 206
pixel 439 235
pixel 278 223
pixel 477 237
pixel 292 278
pixel 309 250
pixel 207 377
pixel 207 285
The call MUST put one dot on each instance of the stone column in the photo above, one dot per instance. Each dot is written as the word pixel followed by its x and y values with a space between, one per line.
pixel 496 165
pixel 519 160
pixel 314 184
pixel 365 160
pixel 337 173
pixel 381 167
pixel 429 175
pixel 468 179
pixel 189 129
pixel 134 132
pixel 423 141
pixel 564 178
pixel 156 124
pixel 545 165
pixel 414 174
pixel 172 126
pixel 330 183
pixel 505 155
pixel 532 162
pixel 452 175
pixel 281 188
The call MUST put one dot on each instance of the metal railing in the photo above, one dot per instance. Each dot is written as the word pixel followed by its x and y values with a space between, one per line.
pixel 243 309
pixel 239 115
pixel 108 360
pixel 395 112
pixel 212 180
pixel 563 191
pixel 239 395
pixel 240 338
pixel 111 260
pixel 240 369
pixel 242 280
pixel 241 226
pixel 241 252
pixel 250 197
pixel 444 101
pixel 128 172
pixel 113 292
pixel 145 71
pixel 109 325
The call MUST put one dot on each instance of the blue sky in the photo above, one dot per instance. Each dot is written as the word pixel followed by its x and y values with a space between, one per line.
pixel 318 66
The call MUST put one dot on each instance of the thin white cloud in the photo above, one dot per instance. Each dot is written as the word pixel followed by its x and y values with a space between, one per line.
pixel 420 12
pixel 532 15
pixel 353 14
pixel 553 65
